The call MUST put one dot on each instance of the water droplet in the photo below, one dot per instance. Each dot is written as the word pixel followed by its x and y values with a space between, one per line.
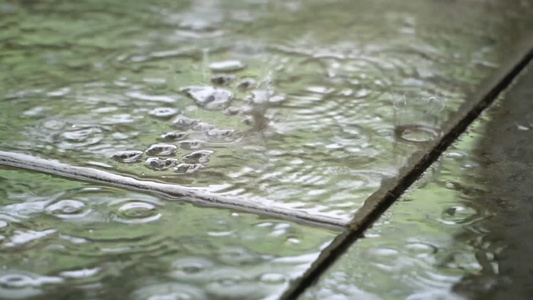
pixel 191 144
pixel 173 136
pixel 201 156
pixel 187 168
pixel 223 79
pixel 161 150
pixel 67 209
pixel 163 112
pixel 183 122
pixel 159 164
pixel 227 66
pixel 416 133
pixel 128 156
pixel 209 97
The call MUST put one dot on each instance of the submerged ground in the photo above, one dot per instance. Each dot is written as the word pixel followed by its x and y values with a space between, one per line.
pixel 300 109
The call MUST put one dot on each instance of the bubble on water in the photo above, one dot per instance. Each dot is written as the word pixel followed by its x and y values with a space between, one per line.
pixel 131 156
pixel 232 111
pixel 247 83
pixel 222 79
pixel 209 97
pixel 202 126
pixel 187 168
pixel 292 241
pixel 183 122
pixel 163 112
pixel 227 66
pixel 82 136
pixel 173 136
pixel 133 212
pixel 416 133
pixel 191 144
pixel 201 156
pixel 162 150
pixel 67 209
pixel 221 134
pixel 160 164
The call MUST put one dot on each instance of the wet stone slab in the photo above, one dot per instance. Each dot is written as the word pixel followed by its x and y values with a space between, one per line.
pixel 461 232
pixel 61 238
pixel 320 110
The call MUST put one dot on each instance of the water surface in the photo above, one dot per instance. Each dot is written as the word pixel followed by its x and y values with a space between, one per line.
pixel 300 102
pixel 62 239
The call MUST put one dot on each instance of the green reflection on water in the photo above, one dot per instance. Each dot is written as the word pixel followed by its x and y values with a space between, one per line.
pixel 64 238
pixel 79 80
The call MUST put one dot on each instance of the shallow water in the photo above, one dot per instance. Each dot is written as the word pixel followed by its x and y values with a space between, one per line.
pixel 307 95
pixel 453 235
pixel 306 103
pixel 62 239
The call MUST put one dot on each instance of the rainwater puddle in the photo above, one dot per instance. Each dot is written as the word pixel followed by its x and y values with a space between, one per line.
pixel 296 100
pixel 61 238
pixel 306 103
pixel 447 238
